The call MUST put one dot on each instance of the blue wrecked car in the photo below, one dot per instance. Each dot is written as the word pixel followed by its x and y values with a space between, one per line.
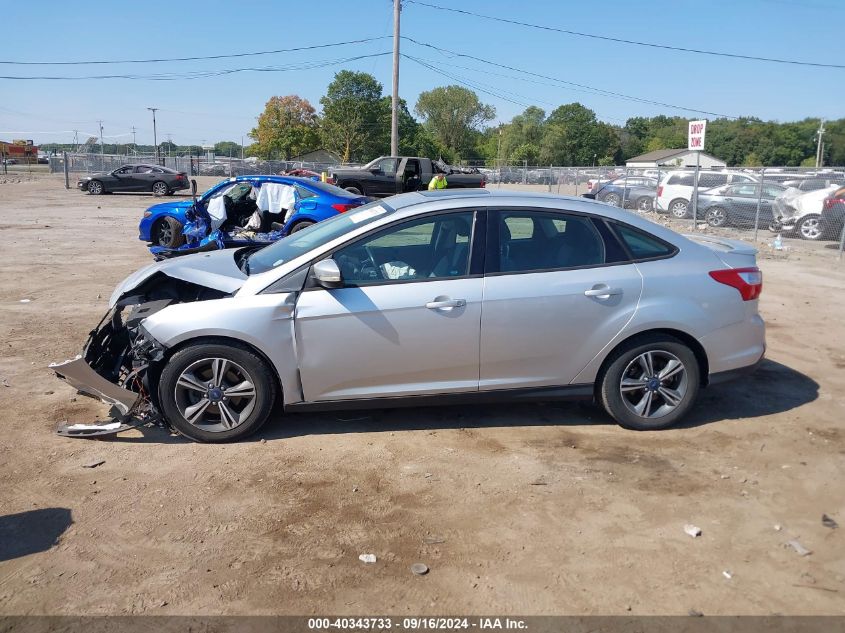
pixel 240 211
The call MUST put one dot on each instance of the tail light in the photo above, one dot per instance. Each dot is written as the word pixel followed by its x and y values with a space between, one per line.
pixel 343 208
pixel 660 191
pixel 749 281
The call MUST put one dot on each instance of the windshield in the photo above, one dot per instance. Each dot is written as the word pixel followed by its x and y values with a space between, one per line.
pixel 314 236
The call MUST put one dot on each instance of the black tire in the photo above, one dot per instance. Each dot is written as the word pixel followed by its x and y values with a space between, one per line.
pixel 256 371
pixel 167 232
pixel 95 187
pixel 160 188
pixel 622 360
pixel 612 198
pixel 644 204
pixel 679 208
pixel 304 224
pixel 354 190
pixel 811 228
pixel 716 217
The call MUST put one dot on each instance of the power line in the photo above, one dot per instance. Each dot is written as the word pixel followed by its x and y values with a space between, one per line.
pixel 189 59
pixel 592 89
pixel 632 42
pixel 202 74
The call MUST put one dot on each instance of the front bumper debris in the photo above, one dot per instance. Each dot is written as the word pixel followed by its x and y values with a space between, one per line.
pixel 79 375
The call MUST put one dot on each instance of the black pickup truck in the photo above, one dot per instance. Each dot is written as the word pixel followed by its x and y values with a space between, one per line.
pixel 389 175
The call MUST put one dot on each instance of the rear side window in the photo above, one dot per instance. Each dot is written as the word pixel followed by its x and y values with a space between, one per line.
pixel 706 181
pixel 641 244
pixel 535 241
pixel 680 179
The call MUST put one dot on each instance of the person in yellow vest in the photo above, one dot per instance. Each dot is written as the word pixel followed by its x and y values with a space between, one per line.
pixel 438 182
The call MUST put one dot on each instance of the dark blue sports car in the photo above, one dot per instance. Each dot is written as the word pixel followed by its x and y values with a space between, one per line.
pixel 162 225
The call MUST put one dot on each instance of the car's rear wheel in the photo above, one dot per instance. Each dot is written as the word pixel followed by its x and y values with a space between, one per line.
pixel 215 392
pixel 810 227
pixel 304 224
pixel 354 190
pixel 613 198
pixel 679 208
pixel 645 203
pixel 95 187
pixel 160 188
pixel 716 216
pixel 167 232
pixel 651 383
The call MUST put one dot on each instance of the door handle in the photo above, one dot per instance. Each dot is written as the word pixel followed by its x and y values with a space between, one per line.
pixel 446 303
pixel 602 291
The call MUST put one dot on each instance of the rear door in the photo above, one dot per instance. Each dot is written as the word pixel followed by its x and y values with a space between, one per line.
pixel 557 289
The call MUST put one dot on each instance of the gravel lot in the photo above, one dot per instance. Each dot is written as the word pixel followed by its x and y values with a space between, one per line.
pixel 522 509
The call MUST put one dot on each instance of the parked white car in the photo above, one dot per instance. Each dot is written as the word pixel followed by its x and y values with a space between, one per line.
pixel 675 190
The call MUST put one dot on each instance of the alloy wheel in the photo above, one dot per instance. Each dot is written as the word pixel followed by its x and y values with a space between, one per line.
pixel 654 384
pixel 215 394
pixel 160 189
pixel 95 187
pixel 165 234
pixel 811 228
pixel 679 209
pixel 717 217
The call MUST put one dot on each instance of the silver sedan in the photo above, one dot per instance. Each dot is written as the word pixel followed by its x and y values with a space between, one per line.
pixel 427 298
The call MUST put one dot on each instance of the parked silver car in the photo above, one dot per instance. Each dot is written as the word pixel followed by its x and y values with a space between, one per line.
pixel 425 298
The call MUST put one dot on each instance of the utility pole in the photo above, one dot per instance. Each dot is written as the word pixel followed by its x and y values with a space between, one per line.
pixel 134 142
pixel 169 143
pixel 155 138
pixel 820 145
pixel 394 114
pixel 242 147
pixel 102 151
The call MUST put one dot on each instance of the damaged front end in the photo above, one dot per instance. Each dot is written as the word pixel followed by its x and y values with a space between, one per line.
pixel 121 361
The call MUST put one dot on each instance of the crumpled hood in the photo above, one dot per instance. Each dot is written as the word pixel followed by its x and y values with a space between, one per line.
pixel 794 203
pixel 216 270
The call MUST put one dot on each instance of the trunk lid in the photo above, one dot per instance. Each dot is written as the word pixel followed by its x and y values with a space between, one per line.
pixel 733 253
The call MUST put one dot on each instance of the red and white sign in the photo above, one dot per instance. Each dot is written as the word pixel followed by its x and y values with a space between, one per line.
pixel 695 140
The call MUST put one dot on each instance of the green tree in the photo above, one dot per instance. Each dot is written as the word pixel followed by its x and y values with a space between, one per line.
pixel 287 127
pixel 453 115
pixel 575 137
pixel 353 121
pixel 227 148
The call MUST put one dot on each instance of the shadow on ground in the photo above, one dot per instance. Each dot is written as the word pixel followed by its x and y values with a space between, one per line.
pixel 773 388
pixel 32 531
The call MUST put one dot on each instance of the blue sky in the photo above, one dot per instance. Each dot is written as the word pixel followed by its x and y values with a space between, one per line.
pixel 225 107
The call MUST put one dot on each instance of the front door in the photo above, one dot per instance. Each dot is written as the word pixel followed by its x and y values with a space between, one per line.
pixel 406 321
pixel 554 295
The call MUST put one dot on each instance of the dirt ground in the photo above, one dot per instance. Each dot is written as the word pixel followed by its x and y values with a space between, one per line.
pixel 522 509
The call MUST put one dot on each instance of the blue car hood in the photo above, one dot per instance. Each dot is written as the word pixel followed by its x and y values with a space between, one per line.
pixel 164 207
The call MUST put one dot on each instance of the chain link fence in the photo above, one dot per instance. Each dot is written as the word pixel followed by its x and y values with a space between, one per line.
pixel 767 205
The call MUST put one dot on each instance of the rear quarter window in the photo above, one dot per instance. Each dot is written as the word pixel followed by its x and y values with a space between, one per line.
pixel 642 245
pixel 680 179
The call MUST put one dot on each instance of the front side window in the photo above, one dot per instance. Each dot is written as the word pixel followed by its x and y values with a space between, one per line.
pixel 534 240
pixel 747 190
pixel 387 165
pixel 124 170
pixel 434 247
pixel 706 181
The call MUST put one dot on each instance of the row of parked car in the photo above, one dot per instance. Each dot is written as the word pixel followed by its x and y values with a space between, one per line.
pixel 811 207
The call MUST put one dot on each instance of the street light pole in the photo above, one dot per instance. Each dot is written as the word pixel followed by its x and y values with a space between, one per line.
pixel 155 137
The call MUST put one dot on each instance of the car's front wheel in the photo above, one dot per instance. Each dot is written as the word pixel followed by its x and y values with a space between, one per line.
pixel 651 383
pixel 810 227
pixel 614 199
pixel 645 203
pixel 95 187
pixel 354 190
pixel 167 232
pixel 216 392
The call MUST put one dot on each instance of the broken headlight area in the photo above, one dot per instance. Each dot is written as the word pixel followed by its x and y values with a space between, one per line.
pixel 121 361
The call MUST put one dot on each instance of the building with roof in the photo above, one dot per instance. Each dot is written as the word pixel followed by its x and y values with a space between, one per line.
pixel 671 158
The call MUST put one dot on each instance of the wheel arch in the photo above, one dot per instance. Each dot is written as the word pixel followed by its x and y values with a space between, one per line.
pixel 684 337
pixel 220 340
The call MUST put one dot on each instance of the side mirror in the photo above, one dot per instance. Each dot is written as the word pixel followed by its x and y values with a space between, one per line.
pixel 327 274
pixel 375 171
